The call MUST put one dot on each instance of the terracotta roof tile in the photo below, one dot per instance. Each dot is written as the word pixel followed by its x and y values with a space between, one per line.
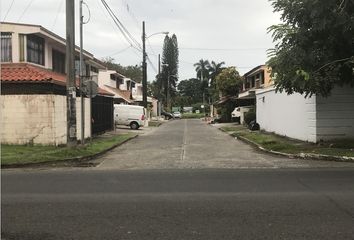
pixel 25 72
pixel 125 94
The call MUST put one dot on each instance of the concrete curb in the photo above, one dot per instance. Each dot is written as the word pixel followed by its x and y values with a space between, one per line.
pixel 308 156
pixel 69 162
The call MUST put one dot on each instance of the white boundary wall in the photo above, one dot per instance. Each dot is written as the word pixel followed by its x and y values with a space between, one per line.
pixel 308 119
pixel 287 115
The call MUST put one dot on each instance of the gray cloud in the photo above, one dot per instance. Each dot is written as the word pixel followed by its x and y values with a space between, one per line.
pixel 237 25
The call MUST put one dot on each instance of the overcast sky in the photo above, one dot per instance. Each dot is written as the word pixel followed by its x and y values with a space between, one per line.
pixel 233 31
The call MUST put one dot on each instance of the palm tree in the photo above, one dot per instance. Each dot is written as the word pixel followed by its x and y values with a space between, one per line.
pixel 202 69
pixel 214 70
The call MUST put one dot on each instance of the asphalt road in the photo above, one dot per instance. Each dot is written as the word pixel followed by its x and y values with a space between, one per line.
pixel 185 198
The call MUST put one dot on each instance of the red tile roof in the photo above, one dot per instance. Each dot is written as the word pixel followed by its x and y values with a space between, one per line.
pixel 25 72
pixel 125 94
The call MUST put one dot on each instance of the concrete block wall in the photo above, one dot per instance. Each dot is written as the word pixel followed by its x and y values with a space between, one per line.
pixel 27 119
pixel 38 119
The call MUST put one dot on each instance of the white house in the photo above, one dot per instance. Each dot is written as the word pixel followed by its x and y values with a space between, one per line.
pixel 309 119
pixel 124 89
pixel 115 83
pixel 33 82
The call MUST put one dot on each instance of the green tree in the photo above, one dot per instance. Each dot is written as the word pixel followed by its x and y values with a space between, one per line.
pixel 154 90
pixel 202 69
pixel 133 72
pixel 314 46
pixel 192 89
pixel 214 70
pixel 229 82
pixel 168 78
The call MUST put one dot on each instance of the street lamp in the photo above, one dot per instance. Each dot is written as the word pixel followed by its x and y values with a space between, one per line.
pixel 144 82
pixel 166 33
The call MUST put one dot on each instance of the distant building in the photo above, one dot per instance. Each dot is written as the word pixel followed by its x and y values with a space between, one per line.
pixel 309 119
pixel 33 94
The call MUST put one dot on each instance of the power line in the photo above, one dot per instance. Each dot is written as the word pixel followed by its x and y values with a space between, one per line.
pixel 128 36
pixel 131 14
pixel 116 23
pixel 8 10
pixel 28 6
pixel 151 64
pixel 221 49
pixel 118 52
pixel 57 14
pixel 152 50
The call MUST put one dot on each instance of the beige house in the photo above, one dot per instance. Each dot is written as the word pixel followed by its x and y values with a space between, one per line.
pixel 257 78
pixel 33 88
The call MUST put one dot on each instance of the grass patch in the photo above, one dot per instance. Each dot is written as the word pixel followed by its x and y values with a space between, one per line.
pixel 192 115
pixel 20 154
pixel 278 143
pixel 233 128
pixel 154 123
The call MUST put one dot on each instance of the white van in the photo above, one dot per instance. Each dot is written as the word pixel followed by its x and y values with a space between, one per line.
pixel 129 115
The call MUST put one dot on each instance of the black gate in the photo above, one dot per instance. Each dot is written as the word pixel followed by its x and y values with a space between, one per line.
pixel 102 114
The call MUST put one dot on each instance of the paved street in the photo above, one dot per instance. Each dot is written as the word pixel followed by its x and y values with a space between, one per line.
pixel 183 180
pixel 181 144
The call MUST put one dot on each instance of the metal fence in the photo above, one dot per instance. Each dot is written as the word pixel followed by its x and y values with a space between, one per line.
pixel 102 114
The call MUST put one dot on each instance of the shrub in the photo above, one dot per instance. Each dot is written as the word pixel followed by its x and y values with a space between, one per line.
pixel 225 110
pixel 192 115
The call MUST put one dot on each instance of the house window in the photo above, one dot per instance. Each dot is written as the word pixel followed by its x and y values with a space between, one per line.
pixel 94 69
pixel 21 38
pixel 253 82
pixel 119 81
pixel 262 77
pixel 6 47
pixel 128 85
pixel 35 49
pixel 58 61
pixel 87 70
pixel 77 66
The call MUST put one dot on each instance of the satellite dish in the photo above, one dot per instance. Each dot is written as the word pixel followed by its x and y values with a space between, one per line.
pixel 90 86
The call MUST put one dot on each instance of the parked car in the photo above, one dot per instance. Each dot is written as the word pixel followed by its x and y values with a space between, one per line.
pixel 177 115
pixel 129 115
pixel 239 112
pixel 167 115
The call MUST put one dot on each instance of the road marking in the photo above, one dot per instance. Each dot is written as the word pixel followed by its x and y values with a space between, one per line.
pixel 184 143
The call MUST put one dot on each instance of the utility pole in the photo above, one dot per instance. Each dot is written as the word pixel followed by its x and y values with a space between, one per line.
pixel 144 69
pixel 81 78
pixel 70 81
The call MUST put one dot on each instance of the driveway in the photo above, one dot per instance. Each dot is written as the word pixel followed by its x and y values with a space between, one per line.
pixel 192 144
